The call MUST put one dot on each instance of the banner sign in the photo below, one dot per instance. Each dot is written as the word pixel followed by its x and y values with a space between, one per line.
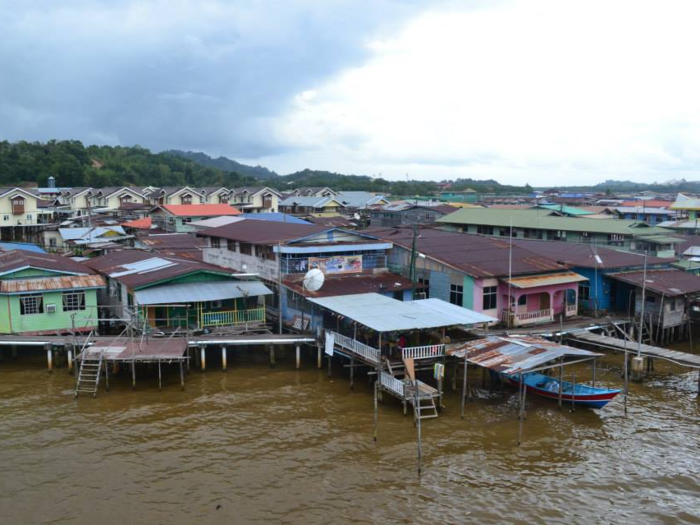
pixel 337 264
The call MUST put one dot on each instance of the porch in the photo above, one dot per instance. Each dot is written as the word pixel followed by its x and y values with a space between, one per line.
pixel 540 299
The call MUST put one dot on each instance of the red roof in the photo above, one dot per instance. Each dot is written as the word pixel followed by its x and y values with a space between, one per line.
pixel 139 224
pixel 200 210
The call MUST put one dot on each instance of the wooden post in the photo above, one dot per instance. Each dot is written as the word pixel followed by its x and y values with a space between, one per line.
pixel 464 386
pixel 160 378
pixel 182 376
pixel 107 376
pixel 319 358
pixel 376 410
pixel 330 361
pixel 561 381
pixel 522 408
pixel 203 357
pixel 49 356
pixel 593 372
pixel 352 371
pixel 224 364
pixel 70 358
pixel 298 357
pixel 133 374
pixel 14 352
pixel 573 391
pixel 418 426
pixel 189 355
pixel 272 356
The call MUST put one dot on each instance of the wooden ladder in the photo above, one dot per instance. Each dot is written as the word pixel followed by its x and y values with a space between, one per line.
pixel 89 374
pixel 429 408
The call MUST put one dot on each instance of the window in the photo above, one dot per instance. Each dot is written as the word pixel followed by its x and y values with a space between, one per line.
pixel 215 242
pixel 52 242
pixel 5 217
pixel 266 252
pixel 186 199
pixel 186 220
pixel 73 301
pixel 522 300
pixel 426 283
pixel 246 248
pixel 672 305
pixel 231 245
pixel 484 230
pixel 31 304
pixel 584 292
pixel 456 294
pixel 490 297
pixel 216 304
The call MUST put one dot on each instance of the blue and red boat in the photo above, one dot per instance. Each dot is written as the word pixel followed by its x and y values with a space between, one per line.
pixel 582 395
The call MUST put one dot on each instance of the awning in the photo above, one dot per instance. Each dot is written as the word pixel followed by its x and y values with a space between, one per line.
pixel 200 292
pixel 512 355
pixel 534 281
pixel 384 314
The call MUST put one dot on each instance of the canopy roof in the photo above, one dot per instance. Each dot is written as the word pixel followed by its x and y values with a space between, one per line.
pixel 200 292
pixel 533 281
pixel 513 355
pixel 384 314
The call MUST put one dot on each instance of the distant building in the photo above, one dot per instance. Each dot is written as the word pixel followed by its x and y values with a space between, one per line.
pixel 256 199
pixel 408 212
pixel 178 218
pixel 311 206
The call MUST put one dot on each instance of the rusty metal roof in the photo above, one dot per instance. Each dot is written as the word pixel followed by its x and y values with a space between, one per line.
pixel 534 281
pixel 475 255
pixel 68 282
pixel 512 355
pixel 262 232
pixel 350 284
pixel 671 282
pixel 19 259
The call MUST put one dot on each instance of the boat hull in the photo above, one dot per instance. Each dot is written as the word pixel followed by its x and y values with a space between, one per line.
pixel 582 395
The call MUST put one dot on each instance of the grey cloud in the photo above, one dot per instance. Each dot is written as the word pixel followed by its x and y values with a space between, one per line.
pixel 179 74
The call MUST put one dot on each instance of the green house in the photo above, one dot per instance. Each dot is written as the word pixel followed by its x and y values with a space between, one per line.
pixel 42 294
pixel 170 292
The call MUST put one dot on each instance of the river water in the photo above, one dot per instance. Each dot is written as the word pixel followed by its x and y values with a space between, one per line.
pixel 256 444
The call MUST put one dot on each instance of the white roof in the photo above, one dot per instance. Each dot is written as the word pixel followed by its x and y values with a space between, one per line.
pixel 215 222
pixel 384 314
pixel 200 292
pixel 89 234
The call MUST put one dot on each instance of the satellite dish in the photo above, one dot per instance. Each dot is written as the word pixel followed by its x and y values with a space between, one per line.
pixel 356 216
pixel 313 280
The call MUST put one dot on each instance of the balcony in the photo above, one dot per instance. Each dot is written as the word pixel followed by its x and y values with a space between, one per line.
pixel 528 318
pixel 232 317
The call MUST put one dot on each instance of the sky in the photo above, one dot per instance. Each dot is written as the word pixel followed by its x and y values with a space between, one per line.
pixel 546 92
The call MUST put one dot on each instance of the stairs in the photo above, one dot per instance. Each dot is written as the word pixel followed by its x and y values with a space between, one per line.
pixel 89 374
pixel 425 408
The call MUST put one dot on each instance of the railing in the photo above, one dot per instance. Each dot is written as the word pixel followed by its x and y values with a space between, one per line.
pixel 367 352
pixel 391 383
pixel 523 318
pixel 423 352
pixel 232 317
pixel 571 309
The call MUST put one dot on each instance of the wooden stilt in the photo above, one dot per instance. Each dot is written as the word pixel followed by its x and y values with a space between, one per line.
pixel 70 358
pixel 593 373
pixel 298 349
pixel 189 355
pixel 14 352
pixel 203 357
pixel 522 409
pixel 376 410
pixel 561 381
pixel 224 356
pixel 330 361
pixel 319 358
pixel 160 378
pixel 133 375
pixel 464 387
pixel 182 375
pixel 352 371
pixel 49 357
pixel 107 376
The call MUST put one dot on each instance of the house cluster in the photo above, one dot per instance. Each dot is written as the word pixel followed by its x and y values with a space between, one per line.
pixel 211 259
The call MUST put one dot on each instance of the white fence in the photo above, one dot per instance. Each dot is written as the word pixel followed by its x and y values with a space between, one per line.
pixel 366 352
pixel 423 352
pixel 391 383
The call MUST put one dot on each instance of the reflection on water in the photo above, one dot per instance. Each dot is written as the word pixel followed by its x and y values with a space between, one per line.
pixel 256 444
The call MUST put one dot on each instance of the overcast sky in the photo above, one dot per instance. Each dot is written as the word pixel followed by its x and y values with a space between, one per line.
pixel 545 92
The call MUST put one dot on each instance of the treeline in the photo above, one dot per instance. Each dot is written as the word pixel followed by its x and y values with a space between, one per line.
pixel 73 165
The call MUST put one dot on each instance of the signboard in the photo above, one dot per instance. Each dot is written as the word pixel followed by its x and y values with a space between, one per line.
pixel 337 264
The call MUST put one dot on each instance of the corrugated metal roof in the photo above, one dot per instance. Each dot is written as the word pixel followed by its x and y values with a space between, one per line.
pixel 262 232
pixel 68 282
pixel 359 283
pixel 533 281
pixel 18 259
pixel 200 292
pixel 200 210
pixel 512 355
pixel 9 246
pixel 90 234
pixel 384 314
pixel 671 282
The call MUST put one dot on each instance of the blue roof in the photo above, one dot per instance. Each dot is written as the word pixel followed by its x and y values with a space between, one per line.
pixel 275 217
pixel 9 246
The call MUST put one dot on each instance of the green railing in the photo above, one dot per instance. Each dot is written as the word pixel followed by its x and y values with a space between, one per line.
pixel 232 317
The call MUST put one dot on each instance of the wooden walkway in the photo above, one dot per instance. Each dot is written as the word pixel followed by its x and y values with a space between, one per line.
pixel 674 356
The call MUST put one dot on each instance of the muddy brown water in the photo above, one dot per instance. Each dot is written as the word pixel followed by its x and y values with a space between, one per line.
pixel 256 444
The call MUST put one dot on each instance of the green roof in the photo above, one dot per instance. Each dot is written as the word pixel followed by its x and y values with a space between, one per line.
pixel 663 239
pixel 541 219
pixel 687 265
pixel 567 210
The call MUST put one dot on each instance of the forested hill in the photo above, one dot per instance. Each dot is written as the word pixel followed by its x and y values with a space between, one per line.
pixel 73 164
pixel 226 164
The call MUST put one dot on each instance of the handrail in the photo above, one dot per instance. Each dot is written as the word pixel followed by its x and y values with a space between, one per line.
pixel 367 352
pixel 391 383
pixel 423 352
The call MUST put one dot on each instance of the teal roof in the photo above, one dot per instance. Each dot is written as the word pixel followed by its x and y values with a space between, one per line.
pixel 566 210
pixel 543 220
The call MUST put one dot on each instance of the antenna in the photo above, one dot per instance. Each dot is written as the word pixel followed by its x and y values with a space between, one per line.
pixel 313 280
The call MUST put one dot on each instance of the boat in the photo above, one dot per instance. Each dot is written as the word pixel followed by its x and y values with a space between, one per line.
pixel 546 386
